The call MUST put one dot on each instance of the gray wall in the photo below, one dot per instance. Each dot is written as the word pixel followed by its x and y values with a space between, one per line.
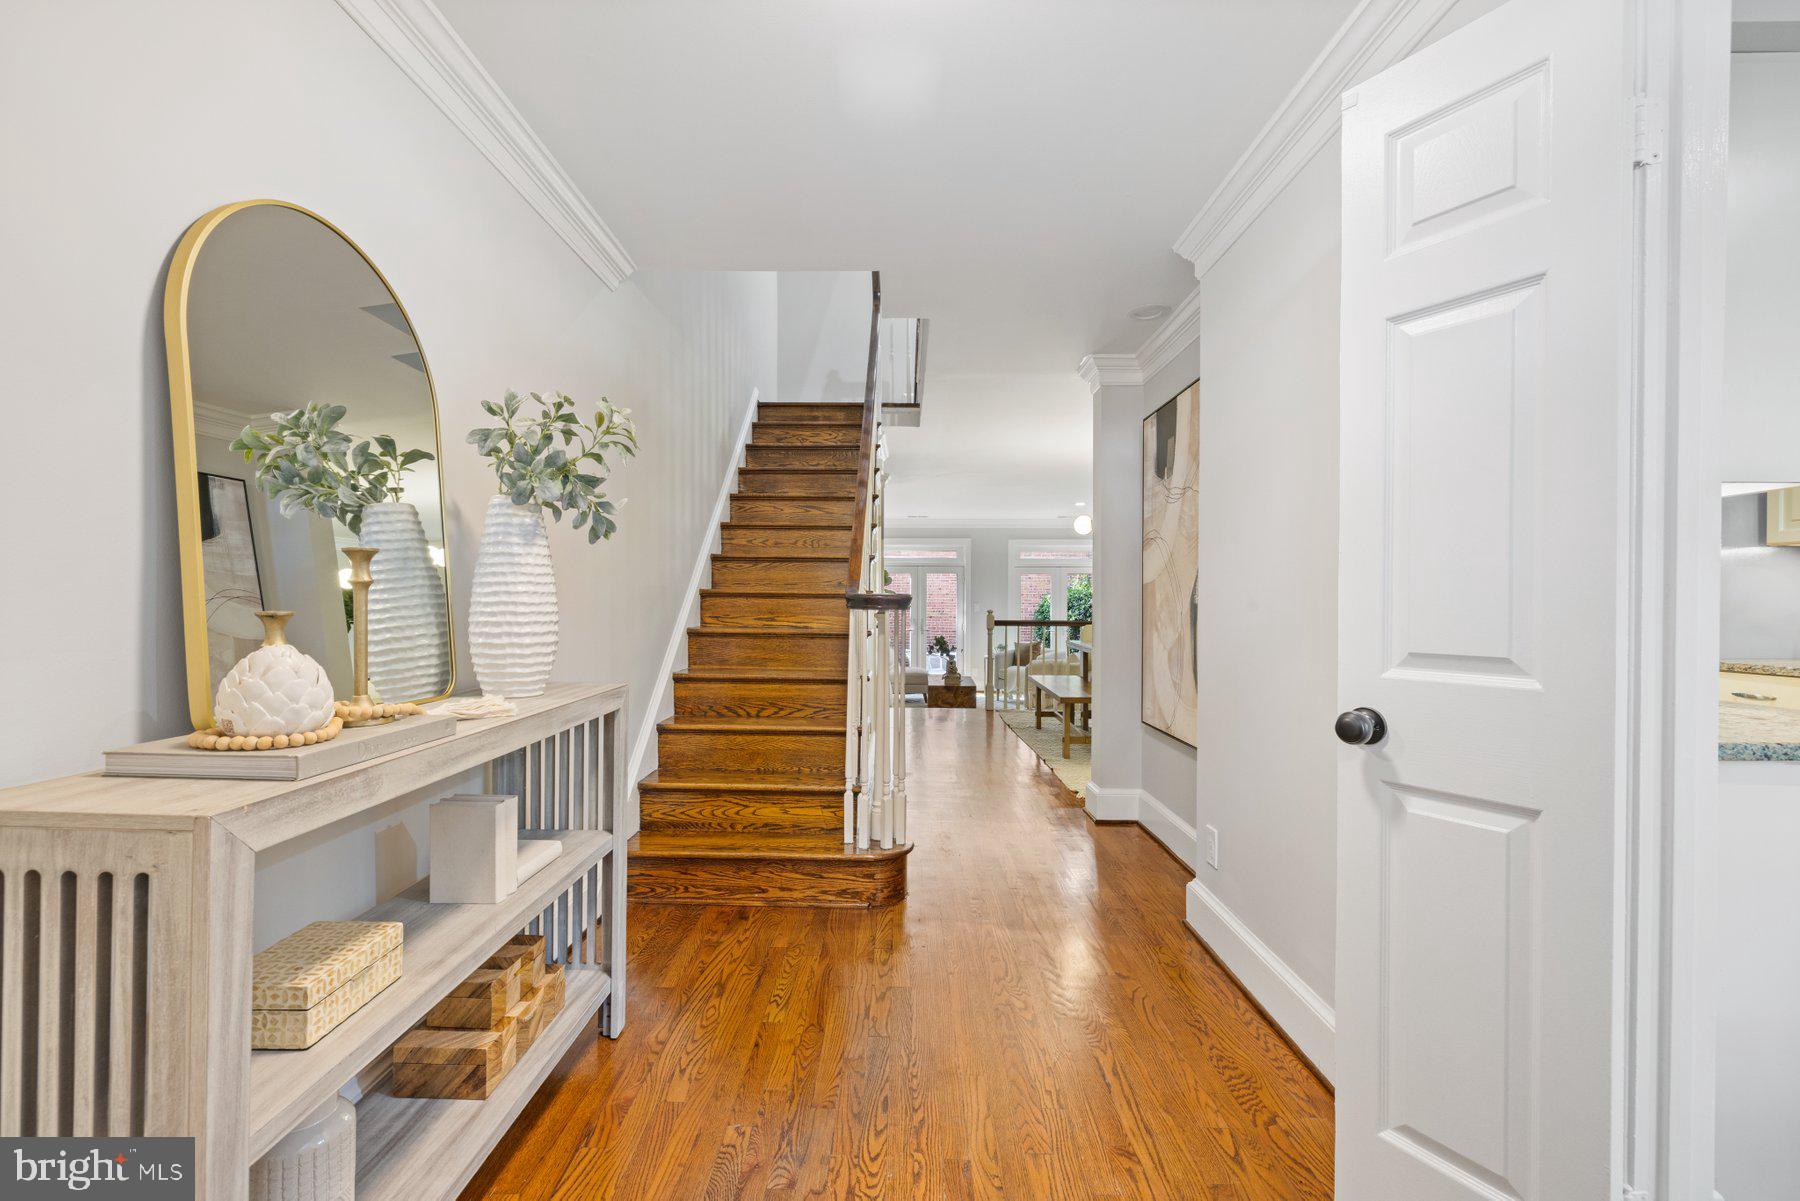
pixel 171 109
pixel 1759 587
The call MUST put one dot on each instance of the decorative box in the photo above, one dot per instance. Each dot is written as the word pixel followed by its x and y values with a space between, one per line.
pixel 474 849
pixel 534 1013
pixel 453 1065
pixel 527 949
pixel 304 985
pixel 481 1002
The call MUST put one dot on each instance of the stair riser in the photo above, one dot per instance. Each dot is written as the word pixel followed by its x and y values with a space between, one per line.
pixel 799 483
pixel 807 435
pixel 823 414
pixel 679 751
pixel 826 543
pixel 795 512
pixel 815 614
pixel 837 458
pixel 758 698
pixel 803 652
pixel 763 813
pixel 767 882
pixel 822 575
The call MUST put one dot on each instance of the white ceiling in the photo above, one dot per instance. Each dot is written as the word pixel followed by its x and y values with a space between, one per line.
pixel 1017 169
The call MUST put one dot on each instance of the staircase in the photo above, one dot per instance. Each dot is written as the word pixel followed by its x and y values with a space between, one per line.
pixel 747 805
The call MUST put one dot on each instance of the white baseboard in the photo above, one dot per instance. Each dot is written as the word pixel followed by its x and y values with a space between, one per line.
pixel 1111 804
pixel 1168 829
pixel 662 699
pixel 1136 805
pixel 1301 1013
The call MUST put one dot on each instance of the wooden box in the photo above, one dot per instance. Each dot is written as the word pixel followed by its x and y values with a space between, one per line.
pixel 482 1001
pixel 527 949
pixel 535 1011
pixel 453 1065
pixel 302 987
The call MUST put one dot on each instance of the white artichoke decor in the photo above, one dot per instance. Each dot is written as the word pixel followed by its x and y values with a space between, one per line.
pixel 275 689
pixel 409 649
pixel 512 602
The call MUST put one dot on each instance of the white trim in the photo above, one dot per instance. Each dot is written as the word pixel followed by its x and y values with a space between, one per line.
pixel 1167 828
pixel 1110 371
pixel 425 46
pixel 1378 34
pixel 1111 804
pixel 1174 335
pixel 1303 1015
pixel 663 698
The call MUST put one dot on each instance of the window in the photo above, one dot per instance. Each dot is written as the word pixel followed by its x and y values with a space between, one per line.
pixel 1059 573
pixel 934 575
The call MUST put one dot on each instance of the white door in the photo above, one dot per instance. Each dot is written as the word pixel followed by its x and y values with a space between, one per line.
pixel 1485 420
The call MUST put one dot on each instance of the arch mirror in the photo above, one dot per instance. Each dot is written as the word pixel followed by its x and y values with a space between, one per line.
pixel 284 338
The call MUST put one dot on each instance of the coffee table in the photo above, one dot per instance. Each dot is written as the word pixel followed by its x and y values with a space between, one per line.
pixel 1069 692
pixel 939 695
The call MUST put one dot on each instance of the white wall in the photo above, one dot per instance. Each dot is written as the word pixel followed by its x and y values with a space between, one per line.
pixel 1762 296
pixel 824 335
pixel 130 121
pixel 1758 956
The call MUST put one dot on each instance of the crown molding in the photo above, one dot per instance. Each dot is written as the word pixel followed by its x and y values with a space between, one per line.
pixel 421 41
pixel 214 422
pixel 1110 371
pixel 1176 333
pixel 1378 34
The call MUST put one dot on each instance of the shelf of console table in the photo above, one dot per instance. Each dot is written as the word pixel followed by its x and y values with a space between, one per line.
pixel 412 1148
pixel 140 1019
pixel 443 944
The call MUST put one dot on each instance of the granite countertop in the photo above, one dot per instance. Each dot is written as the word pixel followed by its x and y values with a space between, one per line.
pixel 1749 731
pixel 1763 667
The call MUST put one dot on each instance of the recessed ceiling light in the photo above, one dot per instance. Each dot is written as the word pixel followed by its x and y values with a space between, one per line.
pixel 1150 312
pixel 1081 504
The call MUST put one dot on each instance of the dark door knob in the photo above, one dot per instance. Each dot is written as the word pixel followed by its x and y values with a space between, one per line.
pixel 1361 727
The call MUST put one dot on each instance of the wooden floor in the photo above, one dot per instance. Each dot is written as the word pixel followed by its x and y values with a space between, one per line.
pixel 1034 1021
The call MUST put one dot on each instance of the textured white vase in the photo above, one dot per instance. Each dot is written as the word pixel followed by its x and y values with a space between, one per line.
pixel 275 689
pixel 409 649
pixel 316 1162
pixel 512 603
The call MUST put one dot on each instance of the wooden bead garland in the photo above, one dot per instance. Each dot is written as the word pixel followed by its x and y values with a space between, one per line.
pixel 215 739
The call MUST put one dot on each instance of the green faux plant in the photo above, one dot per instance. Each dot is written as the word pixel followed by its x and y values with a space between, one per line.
pixel 554 459
pixel 307 462
pixel 940 645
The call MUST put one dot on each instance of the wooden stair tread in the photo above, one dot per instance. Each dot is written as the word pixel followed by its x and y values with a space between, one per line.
pixel 849 471
pixel 784 497
pixel 751 523
pixel 772 675
pixel 724 781
pixel 763 558
pixel 753 632
pixel 783 593
pixel 759 725
pixel 725 844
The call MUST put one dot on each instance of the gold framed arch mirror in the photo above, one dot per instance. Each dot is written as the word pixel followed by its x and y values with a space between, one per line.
pixel 281 331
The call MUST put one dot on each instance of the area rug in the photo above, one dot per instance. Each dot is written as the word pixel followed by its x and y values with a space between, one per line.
pixel 1046 744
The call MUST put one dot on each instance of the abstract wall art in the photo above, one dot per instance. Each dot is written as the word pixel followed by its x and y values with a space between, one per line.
pixel 1171 566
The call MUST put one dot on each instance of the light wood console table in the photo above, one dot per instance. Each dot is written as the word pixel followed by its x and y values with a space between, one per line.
pixel 125 949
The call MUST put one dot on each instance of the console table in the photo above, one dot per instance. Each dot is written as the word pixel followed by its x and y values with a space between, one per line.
pixel 125 930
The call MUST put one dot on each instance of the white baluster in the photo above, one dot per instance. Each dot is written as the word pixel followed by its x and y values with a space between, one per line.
pixel 878 784
pixel 852 723
pixel 898 807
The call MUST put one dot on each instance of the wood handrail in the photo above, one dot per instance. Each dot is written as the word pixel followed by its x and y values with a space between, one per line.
pixel 865 467
pixel 1047 621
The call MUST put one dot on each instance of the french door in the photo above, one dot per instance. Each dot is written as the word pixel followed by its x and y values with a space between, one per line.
pixel 937 609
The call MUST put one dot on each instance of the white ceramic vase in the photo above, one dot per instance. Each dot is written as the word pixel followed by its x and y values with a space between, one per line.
pixel 275 689
pixel 512 603
pixel 315 1162
pixel 409 649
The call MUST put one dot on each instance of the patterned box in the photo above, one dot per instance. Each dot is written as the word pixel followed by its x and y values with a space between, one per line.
pixel 297 1029
pixel 304 985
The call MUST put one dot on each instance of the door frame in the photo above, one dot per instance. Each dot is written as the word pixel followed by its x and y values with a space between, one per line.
pixel 1670 743
pixel 897 555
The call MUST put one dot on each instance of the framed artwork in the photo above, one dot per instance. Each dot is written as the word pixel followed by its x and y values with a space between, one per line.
pixel 1171 579
pixel 228 561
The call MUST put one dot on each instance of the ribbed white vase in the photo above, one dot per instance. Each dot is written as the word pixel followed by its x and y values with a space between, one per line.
pixel 512 603
pixel 315 1162
pixel 409 648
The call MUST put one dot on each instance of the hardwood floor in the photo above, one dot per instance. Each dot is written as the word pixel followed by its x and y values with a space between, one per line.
pixel 1033 1021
